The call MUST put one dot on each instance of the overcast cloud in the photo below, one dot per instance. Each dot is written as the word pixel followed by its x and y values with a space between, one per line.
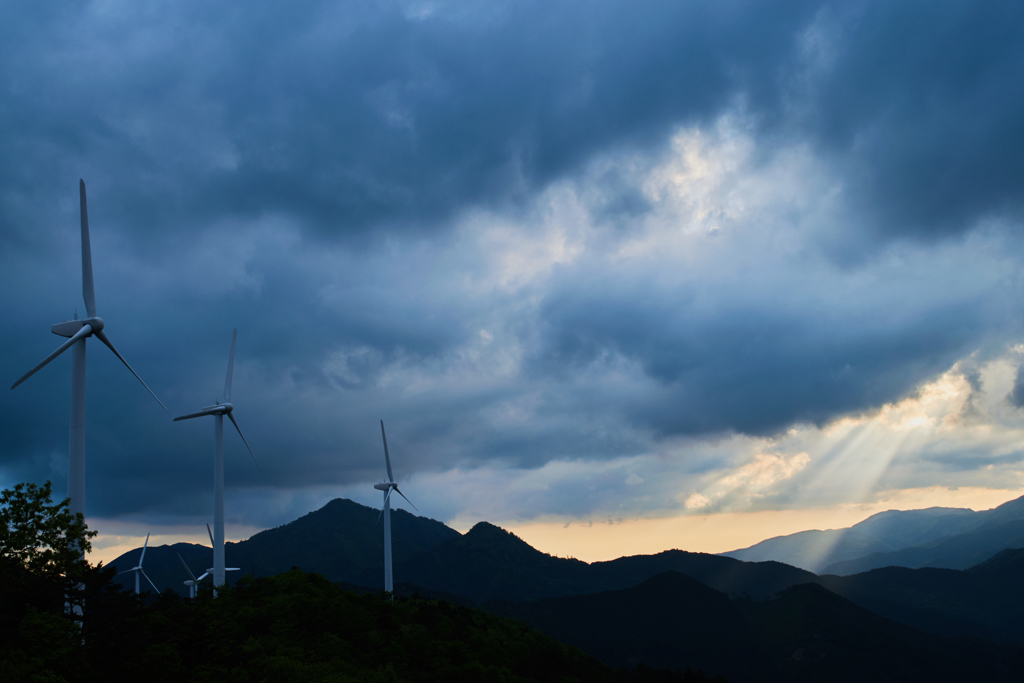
pixel 585 259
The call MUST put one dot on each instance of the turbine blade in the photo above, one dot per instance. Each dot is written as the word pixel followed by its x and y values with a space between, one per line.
pixel 85 331
pixel 202 577
pixel 190 574
pixel 387 457
pixel 211 534
pixel 232 417
pixel 103 338
pixel 407 500
pixel 87 288
pixel 150 582
pixel 231 365
pixel 232 569
pixel 144 546
pixel 201 413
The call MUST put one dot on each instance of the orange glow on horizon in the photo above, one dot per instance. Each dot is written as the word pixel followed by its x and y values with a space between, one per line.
pixel 716 533
pixel 597 540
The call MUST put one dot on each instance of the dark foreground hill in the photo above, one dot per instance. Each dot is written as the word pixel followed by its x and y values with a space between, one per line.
pixel 986 600
pixel 294 627
pixel 805 633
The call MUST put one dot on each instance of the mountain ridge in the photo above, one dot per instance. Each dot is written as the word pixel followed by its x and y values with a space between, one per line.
pixel 883 535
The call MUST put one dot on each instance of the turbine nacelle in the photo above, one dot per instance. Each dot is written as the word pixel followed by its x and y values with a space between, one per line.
pixel 69 328
pixel 218 409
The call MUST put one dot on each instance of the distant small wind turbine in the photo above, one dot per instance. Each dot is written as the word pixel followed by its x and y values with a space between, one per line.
pixel 193 582
pixel 79 331
pixel 387 487
pixel 138 569
pixel 218 411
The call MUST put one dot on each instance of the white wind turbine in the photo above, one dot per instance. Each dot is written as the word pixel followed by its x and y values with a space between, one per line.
pixel 218 411
pixel 79 331
pixel 139 570
pixel 193 582
pixel 387 487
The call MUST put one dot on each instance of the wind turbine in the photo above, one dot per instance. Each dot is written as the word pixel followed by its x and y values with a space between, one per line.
pixel 193 582
pixel 218 411
pixel 78 331
pixel 387 487
pixel 138 569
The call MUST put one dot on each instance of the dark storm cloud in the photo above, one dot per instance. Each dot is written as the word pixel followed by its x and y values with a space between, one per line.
pixel 296 172
pixel 742 367
pixel 364 115
pixel 919 101
pixel 347 117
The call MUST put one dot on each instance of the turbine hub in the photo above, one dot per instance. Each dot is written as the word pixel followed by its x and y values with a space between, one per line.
pixel 68 328
pixel 96 322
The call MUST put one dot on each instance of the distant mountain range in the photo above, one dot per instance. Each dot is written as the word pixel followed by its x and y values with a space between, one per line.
pixel 951 538
pixel 489 563
pixel 343 542
pixel 748 621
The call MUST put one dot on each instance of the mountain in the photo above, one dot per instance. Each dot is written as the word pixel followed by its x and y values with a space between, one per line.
pixel 810 549
pixel 805 633
pixel 670 621
pixel 489 563
pixel 985 600
pixel 954 552
pixel 342 541
pixel 881 534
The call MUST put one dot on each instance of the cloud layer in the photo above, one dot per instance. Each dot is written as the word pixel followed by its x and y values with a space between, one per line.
pixel 607 256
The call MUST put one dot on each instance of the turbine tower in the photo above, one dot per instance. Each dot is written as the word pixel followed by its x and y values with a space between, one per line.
pixel 139 570
pixel 218 411
pixel 78 331
pixel 387 487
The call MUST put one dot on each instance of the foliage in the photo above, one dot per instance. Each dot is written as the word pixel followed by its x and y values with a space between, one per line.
pixel 42 582
pixel 301 627
pixel 41 536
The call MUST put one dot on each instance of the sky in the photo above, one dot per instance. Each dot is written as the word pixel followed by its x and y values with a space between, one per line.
pixel 619 278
